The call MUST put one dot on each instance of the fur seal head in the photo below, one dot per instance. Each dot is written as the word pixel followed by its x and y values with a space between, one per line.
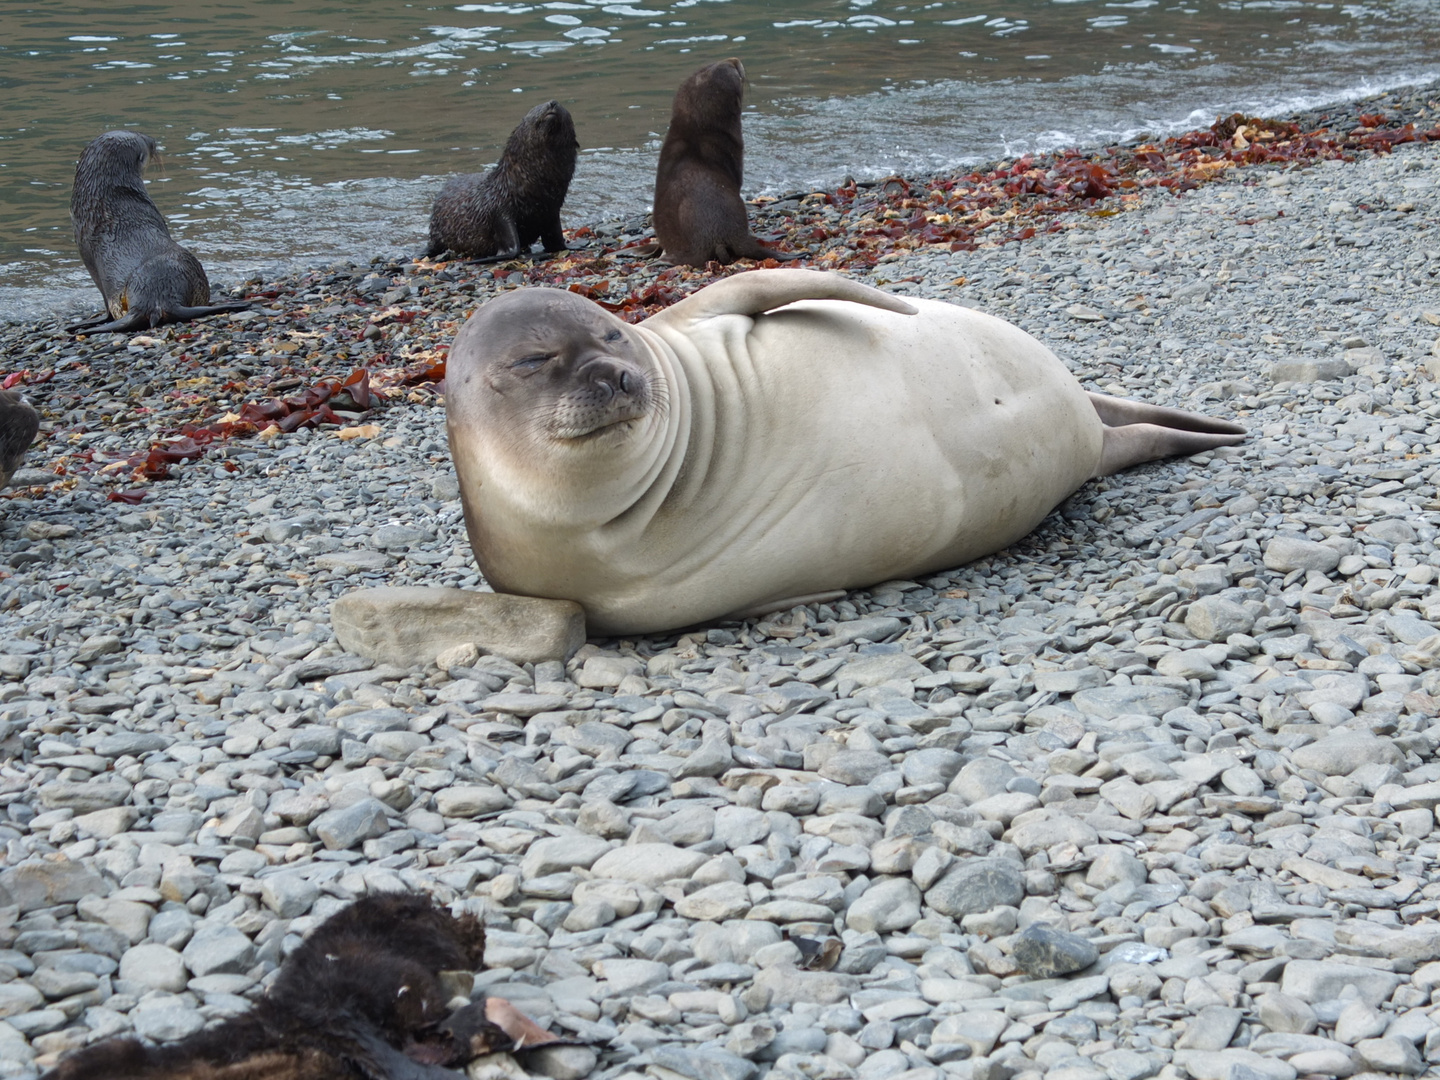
pixel 710 100
pixel 112 161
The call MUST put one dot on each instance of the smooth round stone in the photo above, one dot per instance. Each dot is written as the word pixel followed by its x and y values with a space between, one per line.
pixel 887 905
pixel 1214 618
pixel 1286 553
pixel 855 767
pixel 1047 953
pixel 935 765
pixel 977 885
pixel 790 799
pixel 1286 1013
pixel 165 1020
pixel 157 967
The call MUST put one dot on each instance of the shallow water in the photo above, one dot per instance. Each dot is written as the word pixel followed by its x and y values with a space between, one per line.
pixel 302 132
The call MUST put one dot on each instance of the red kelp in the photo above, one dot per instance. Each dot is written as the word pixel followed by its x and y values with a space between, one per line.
pixel 312 408
pixel 1008 202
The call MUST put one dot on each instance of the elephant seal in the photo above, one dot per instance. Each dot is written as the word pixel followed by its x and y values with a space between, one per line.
pixel 772 438
pixel 502 212
pixel 698 214
pixel 146 278
pixel 18 424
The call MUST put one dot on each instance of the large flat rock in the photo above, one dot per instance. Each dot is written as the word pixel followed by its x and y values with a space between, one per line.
pixel 410 625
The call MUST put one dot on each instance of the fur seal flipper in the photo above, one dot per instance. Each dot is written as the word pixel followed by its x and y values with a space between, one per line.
pixel 501 213
pixel 778 435
pixel 146 278
pixel 699 216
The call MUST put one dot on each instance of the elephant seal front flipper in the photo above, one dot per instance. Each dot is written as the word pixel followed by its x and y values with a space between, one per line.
pixel 1137 432
pixel 747 294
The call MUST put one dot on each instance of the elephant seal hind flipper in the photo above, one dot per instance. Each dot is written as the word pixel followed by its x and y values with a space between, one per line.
pixel 1137 432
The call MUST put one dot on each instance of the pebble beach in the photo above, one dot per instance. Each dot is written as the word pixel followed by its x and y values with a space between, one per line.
pixel 1151 793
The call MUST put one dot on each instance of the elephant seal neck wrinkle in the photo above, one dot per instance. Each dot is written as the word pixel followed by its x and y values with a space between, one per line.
pixel 653 478
pixel 713 350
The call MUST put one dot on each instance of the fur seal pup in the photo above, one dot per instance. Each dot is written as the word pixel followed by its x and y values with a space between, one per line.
pixel 699 216
pixel 502 212
pixel 146 278
pixel 19 422
pixel 772 438
pixel 360 999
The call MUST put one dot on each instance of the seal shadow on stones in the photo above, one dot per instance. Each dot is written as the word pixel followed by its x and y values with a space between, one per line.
pixel 501 213
pixel 699 216
pixel 362 998
pixel 146 278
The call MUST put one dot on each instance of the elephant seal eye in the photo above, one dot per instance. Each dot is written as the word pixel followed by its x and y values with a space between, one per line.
pixel 530 363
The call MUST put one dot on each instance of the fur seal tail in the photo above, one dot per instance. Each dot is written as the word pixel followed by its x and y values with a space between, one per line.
pixel 148 320
pixel 1136 433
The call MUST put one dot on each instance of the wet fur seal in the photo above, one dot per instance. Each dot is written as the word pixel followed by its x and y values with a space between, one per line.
pixel 146 278
pixel 699 216
pixel 19 423
pixel 361 999
pixel 773 438
pixel 502 212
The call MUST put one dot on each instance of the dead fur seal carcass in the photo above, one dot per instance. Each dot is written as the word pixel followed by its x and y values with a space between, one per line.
pixel 362 998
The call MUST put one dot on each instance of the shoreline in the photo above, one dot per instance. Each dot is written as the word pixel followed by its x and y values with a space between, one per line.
pixel 1150 793
pixel 381 323
pixel 1310 118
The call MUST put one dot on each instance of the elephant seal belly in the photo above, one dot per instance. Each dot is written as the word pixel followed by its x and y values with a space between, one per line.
pixel 777 435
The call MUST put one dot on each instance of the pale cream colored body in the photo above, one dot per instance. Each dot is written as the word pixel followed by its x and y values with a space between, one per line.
pixel 825 445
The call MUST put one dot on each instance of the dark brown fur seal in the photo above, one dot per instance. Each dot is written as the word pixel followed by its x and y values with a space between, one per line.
pixel 502 212
pixel 18 424
pixel 699 216
pixel 360 999
pixel 146 278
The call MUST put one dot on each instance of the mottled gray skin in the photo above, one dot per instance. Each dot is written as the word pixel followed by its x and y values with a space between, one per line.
pixel 18 425
pixel 502 212
pixel 699 216
pixel 146 278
